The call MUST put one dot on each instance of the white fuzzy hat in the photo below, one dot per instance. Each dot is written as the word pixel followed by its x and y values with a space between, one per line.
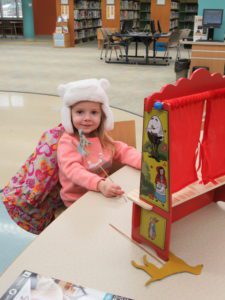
pixel 84 90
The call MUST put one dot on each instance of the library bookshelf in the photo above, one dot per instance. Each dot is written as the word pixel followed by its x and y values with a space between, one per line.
pixel 84 18
pixel 188 11
pixel 87 19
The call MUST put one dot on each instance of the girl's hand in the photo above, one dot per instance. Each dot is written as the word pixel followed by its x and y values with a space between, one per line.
pixel 109 188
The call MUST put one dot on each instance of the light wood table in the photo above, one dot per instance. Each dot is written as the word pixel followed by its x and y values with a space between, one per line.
pixel 208 54
pixel 81 247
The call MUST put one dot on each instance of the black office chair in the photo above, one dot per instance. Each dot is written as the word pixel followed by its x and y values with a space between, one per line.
pixel 154 32
pixel 160 28
pixel 127 26
pixel 152 27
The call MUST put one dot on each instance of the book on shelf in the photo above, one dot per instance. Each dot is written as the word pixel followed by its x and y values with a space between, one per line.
pixel 81 4
pixel 62 19
pixel 30 285
pixel 58 29
pixel 65 29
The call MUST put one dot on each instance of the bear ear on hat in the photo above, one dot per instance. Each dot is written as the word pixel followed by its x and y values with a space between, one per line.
pixel 104 83
pixel 61 90
pixel 66 119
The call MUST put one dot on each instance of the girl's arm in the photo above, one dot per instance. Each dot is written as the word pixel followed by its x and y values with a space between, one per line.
pixel 109 188
pixel 127 155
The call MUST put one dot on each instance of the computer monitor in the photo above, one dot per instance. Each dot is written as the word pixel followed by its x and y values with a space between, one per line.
pixel 127 26
pixel 212 18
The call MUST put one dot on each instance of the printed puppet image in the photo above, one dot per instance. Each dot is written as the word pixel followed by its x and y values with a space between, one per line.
pixel 152 228
pixel 155 135
pixel 160 185
pixel 154 186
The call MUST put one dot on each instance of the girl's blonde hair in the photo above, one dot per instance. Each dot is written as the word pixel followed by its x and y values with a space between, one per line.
pixel 105 139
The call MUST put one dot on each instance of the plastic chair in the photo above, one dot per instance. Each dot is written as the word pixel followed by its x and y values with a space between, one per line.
pixel 184 34
pixel 13 239
pixel 173 41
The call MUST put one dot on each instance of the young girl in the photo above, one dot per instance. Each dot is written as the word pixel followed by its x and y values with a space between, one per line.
pixel 85 151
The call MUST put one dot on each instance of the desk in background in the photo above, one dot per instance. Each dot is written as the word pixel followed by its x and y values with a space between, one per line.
pixel 208 54
pixel 140 37
pixel 137 37
pixel 11 28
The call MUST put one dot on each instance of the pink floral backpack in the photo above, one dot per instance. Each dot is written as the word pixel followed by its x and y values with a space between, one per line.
pixel 32 195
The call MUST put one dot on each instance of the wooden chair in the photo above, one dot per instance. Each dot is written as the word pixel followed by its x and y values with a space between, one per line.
pixel 110 44
pixel 104 42
pixel 100 36
pixel 123 131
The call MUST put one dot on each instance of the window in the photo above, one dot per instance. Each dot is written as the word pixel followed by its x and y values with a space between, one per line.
pixel 11 9
pixel 19 9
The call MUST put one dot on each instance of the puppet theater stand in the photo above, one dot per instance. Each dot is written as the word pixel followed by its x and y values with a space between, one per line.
pixel 183 157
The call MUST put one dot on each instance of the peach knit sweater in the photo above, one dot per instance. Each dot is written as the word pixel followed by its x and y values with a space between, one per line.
pixel 79 173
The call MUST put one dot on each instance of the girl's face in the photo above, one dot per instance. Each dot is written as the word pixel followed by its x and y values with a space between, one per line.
pixel 161 171
pixel 86 115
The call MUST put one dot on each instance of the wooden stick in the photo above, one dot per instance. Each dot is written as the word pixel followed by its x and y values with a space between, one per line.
pixel 106 174
pixel 134 242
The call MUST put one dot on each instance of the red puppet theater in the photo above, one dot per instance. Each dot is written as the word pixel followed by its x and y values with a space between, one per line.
pixel 185 170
